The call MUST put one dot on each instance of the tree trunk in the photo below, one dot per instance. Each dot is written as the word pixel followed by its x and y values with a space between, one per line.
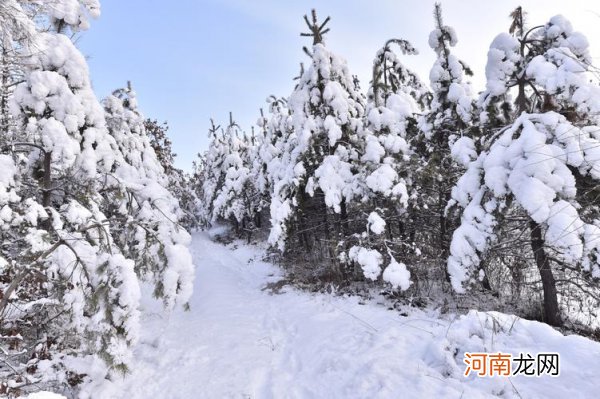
pixel 442 220
pixel 302 220
pixel 485 282
pixel 329 242
pixel 4 97
pixel 551 309
pixel 444 246
pixel 344 219
pixel 47 188
pixel 258 219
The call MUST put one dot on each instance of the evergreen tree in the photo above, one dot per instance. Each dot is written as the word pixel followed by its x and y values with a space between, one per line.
pixel 142 206
pixel 318 179
pixel 539 159
pixel 395 96
pixel 70 266
pixel 236 198
pixel 213 171
pixel 448 120
pixel 66 261
pixel 179 182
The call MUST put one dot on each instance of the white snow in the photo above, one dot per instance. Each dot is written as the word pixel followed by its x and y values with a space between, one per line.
pixel 397 275
pixel 369 260
pixel 44 395
pixel 376 223
pixel 463 151
pixel 240 341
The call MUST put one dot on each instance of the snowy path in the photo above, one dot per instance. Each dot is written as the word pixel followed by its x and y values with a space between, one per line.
pixel 241 342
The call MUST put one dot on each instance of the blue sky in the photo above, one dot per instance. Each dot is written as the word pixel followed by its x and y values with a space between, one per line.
pixel 193 60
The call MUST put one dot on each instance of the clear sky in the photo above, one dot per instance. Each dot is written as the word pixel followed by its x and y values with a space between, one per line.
pixel 190 60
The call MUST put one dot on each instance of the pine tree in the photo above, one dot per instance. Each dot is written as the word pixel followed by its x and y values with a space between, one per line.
pixel 179 182
pixel 236 198
pixel 317 180
pixel 213 170
pixel 196 185
pixel 448 120
pixel 395 96
pixel 69 267
pixel 66 260
pixel 273 136
pixel 539 159
pixel 141 205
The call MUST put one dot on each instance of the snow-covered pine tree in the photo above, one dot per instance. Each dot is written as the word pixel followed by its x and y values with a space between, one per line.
pixel 395 96
pixel 540 163
pixel 276 153
pixel 179 182
pixel 68 291
pixel 448 120
pixel 70 287
pixel 196 181
pixel 144 211
pixel 274 133
pixel 213 170
pixel 11 72
pixel 317 181
pixel 161 144
pixel 231 193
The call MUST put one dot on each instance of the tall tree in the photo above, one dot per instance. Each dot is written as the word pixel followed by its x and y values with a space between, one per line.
pixel 318 179
pixel 179 182
pixel 238 198
pixel 544 162
pixel 145 212
pixel 69 267
pixel 89 289
pixel 449 119
pixel 396 95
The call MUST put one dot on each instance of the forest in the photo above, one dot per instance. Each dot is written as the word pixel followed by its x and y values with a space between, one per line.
pixel 427 189
pixel 419 189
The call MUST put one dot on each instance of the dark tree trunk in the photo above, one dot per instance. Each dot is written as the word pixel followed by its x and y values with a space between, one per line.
pixel 442 237
pixel 551 309
pixel 443 199
pixel 258 219
pixel 302 220
pixel 344 217
pixel 4 97
pixel 401 228
pixel 47 188
pixel 485 282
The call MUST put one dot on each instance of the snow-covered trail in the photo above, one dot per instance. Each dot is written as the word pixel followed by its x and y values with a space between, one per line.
pixel 239 341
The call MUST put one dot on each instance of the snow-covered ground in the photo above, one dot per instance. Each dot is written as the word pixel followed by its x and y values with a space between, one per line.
pixel 240 341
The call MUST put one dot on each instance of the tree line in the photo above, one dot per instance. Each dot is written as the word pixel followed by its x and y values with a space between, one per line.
pixel 428 187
